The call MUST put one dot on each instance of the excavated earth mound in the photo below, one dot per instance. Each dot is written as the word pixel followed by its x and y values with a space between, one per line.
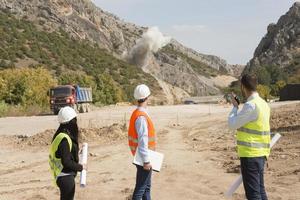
pixel 107 135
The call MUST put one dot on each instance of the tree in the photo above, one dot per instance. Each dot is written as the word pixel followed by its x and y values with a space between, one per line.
pixel 25 86
pixel 276 73
pixel 108 92
pixel 275 90
pixel 3 64
pixel 295 78
pixel 264 91
pixel 76 78
pixel 263 76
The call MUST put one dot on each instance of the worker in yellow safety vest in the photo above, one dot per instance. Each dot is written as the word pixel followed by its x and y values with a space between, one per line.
pixel 63 156
pixel 141 138
pixel 253 137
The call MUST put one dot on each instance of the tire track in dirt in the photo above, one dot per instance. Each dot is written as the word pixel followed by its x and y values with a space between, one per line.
pixel 184 167
pixel 25 189
pixel 22 168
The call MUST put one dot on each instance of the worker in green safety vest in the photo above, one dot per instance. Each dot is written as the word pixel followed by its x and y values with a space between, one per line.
pixel 63 156
pixel 253 137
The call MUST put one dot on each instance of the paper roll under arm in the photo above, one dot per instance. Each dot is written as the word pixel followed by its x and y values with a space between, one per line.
pixel 84 156
pixel 239 180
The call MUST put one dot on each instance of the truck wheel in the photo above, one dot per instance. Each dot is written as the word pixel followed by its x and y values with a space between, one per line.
pixel 81 109
pixel 87 108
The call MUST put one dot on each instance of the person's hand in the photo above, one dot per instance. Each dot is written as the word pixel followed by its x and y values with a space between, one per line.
pixel 147 166
pixel 233 101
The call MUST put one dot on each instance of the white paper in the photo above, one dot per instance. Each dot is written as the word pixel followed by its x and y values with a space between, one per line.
pixel 84 156
pixel 239 180
pixel 275 138
pixel 156 160
pixel 234 187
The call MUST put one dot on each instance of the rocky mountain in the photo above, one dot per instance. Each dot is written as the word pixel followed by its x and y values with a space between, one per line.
pixel 178 70
pixel 280 47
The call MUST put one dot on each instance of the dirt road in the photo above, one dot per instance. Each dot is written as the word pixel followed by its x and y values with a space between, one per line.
pixel 199 151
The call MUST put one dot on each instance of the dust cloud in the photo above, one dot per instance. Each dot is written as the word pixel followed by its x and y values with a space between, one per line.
pixel 152 40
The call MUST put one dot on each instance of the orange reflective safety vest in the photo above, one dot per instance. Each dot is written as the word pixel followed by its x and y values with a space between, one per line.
pixel 133 135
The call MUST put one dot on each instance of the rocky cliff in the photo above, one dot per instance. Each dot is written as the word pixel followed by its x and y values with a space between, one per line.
pixel 280 47
pixel 180 71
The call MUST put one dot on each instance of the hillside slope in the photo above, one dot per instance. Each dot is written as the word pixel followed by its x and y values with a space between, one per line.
pixel 84 21
pixel 279 49
pixel 113 80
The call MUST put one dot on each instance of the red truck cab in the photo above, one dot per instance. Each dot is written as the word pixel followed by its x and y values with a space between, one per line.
pixel 62 96
pixel 70 95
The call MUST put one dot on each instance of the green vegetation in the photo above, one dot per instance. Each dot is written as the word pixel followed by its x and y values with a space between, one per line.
pixel 264 91
pixel 71 61
pixel 293 70
pixel 25 86
pixel 271 79
pixel 269 75
pixel 199 67
pixel 106 90
pixel 24 89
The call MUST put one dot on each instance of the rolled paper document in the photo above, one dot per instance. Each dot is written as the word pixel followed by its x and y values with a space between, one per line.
pixel 239 180
pixel 84 156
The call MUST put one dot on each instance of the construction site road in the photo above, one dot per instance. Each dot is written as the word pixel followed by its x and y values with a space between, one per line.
pixel 200 157
pixel 113 114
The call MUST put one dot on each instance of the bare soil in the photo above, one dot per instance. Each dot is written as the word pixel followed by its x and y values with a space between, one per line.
pixel 200 154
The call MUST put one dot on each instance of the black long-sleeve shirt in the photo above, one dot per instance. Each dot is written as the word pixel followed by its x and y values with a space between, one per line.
pixel 69 159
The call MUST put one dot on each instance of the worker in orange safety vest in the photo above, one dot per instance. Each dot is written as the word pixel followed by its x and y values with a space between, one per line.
pixel 141 138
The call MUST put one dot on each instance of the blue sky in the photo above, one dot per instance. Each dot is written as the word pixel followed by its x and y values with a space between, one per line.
pixel 230 29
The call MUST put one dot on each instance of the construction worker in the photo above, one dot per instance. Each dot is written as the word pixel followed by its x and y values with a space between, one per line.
pixel 253 137
pixel 141 137
pixel 63 158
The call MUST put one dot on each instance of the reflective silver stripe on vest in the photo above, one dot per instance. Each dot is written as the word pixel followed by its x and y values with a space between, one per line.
pixel 55 163
pixel 64 174
pixel 253 145
pixel 250 131
pixel 132 139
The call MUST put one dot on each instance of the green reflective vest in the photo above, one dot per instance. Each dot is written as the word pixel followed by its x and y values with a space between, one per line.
pixel 253 139
pixel 54 162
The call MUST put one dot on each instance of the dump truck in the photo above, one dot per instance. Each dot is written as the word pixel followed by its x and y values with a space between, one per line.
pixel 74 96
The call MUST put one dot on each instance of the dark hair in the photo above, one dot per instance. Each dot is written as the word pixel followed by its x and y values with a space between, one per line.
pixel 70 128
pixel 249 81
pixel 142 100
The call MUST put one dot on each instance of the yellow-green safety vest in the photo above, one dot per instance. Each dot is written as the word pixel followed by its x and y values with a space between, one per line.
pixel 54 162
pixel 253 139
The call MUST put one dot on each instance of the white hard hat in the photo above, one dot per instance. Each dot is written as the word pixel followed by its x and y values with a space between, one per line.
pixel 66 114
pixel 141 92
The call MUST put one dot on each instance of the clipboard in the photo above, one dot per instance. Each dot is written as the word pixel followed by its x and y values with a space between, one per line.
pixel 156 160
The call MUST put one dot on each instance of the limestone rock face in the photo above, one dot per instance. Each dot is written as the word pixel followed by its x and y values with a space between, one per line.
pixel 281 44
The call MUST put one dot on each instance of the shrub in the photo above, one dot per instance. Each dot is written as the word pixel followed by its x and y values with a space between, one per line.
pixel 3 109
pixel 263 76
pixel 275 88
pixel 295 75
pixel 25 86
pixel 264 91
pixel 76 78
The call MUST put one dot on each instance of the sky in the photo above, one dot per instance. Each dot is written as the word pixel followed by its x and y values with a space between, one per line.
pixel 231 29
